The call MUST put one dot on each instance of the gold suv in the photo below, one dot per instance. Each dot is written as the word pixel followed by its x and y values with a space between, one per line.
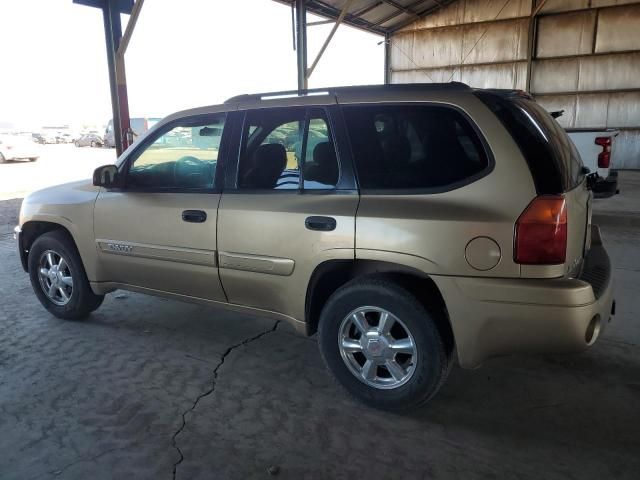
pixel 406 224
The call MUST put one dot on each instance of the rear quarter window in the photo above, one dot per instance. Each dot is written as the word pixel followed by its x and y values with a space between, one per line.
pixel 552 157
pixel 414 147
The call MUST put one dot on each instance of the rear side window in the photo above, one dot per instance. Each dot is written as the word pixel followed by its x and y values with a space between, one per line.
pixel 288 149
pixel 552 157
pixel 413 147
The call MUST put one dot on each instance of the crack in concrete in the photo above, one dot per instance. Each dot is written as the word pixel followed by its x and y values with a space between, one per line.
pixel 59 471
pixel 174 438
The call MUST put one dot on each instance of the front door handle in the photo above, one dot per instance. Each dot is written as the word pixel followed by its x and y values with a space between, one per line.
pixel 323 224
pixel 194 216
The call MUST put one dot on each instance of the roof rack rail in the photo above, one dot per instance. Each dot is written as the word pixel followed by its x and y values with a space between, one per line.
pixel 274 95
pixel 399 87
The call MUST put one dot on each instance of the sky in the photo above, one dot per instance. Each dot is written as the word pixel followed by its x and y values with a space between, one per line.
pixel 54 66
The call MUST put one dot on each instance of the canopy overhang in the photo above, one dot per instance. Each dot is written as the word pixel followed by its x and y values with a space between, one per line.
pixel 381 17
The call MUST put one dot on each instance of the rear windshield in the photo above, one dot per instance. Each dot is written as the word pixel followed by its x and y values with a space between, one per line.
pixel 413 147
pixel 552 157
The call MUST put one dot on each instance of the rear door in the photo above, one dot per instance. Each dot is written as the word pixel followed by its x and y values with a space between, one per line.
pixel 289 204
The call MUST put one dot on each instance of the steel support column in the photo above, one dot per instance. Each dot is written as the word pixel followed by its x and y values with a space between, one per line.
pixel 532 40
pixel 122 126
pixel 109 20
pixel 111 11
pixel 301 43
pixel 387 59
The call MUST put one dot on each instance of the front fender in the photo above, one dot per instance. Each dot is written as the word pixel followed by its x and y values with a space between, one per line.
pixel 71 207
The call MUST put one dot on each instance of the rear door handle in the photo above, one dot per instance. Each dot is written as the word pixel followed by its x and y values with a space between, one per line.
pixel 194 216
pixel 323 224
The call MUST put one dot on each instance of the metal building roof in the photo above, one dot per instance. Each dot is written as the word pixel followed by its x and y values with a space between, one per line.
pixel 376 16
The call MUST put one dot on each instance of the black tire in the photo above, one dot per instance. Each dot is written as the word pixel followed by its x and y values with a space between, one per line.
pixel 432 359
pixel 76 143
pixel 93 143
pixel 2 159
pixel 82 300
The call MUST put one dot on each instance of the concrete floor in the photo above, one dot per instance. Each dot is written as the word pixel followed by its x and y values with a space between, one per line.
pixel 150 388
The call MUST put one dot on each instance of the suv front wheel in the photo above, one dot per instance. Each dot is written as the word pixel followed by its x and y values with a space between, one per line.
pixel 58 277
pixel 382 344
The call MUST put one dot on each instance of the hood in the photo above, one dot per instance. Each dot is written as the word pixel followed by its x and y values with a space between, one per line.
pixel 66 193
pixel 69 201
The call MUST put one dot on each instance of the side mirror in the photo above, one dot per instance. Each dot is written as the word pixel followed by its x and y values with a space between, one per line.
pixel 107 176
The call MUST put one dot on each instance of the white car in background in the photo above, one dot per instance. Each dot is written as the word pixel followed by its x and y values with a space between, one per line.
pixel 13 147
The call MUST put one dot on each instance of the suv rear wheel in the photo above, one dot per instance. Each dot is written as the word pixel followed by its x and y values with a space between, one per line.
pixel 382 344
pixel 58 277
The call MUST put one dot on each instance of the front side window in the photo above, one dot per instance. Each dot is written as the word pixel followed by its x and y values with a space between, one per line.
pixel 413 146
pixel 288 149
pixel 185 157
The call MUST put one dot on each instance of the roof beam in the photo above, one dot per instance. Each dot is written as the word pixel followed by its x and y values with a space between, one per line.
pixel 367 9
pixel 320 22
pixel 320 8
pixel 414 10
pixel 400 12
pixel 344 11
pixel 121 6
pixel 131 25
pixel 439 4
pixel 397 6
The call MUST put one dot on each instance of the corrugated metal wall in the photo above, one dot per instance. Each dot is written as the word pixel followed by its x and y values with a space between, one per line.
pixel 582 56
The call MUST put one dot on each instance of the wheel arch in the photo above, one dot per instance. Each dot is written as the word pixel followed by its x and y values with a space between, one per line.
pixel 33 229
pixel 329 276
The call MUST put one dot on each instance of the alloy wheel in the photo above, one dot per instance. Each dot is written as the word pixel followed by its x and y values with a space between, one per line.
pixel 56 278
pixel 377 347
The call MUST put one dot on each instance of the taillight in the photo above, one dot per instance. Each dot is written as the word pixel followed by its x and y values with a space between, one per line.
pixel 541 232
pixel 604 157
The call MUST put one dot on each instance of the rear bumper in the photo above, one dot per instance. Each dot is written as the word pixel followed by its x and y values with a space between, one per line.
pixel 492 317
pixel 606 187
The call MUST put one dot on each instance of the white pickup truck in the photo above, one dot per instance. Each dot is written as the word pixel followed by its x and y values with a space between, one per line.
pixel 597 150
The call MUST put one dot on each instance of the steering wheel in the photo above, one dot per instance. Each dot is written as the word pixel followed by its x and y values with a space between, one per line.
pixel 188 168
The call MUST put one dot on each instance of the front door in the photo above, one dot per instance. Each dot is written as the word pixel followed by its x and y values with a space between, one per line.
pixel 159 231
pixel 290 206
